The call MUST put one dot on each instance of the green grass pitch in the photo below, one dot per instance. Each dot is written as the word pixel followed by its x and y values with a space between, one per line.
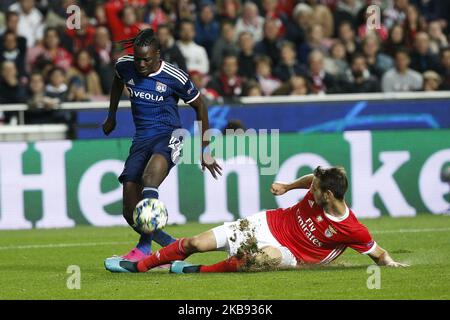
pixel 34 265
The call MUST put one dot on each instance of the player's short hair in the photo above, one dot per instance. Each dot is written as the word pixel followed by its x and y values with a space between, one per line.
pixel 145 38
pixel 333 179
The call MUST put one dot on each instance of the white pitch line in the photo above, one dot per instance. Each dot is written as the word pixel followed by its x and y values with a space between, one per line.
pixel 62 245
pixel 411 230
pixel 93 244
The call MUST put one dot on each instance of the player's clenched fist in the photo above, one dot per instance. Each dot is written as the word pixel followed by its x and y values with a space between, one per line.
pixel 109 125
pixel 278 188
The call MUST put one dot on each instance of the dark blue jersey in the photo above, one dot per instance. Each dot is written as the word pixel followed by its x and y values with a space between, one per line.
pixel 154 98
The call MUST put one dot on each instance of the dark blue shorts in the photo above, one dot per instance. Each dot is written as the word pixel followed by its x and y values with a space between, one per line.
pixel 141 152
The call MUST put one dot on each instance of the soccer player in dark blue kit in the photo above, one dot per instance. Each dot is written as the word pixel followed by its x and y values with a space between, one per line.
pixel 155 86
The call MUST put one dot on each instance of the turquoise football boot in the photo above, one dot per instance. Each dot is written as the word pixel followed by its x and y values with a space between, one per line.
pixel 118 264
pixel 181 267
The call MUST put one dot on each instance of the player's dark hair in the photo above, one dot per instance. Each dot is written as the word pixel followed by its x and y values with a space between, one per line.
pixel 144 38
pixel 333 179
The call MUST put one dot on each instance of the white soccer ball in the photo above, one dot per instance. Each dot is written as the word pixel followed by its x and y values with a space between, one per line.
pixel 150 215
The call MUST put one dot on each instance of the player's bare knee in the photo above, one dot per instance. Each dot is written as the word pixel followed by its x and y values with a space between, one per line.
pixel 196 244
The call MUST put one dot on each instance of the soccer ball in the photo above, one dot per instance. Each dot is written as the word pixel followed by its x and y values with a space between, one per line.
pixel 150 215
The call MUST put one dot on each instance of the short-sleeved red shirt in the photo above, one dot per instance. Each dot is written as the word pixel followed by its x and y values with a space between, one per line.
pixel 314 236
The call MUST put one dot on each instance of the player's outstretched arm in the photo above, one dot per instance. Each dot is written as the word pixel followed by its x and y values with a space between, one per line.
pixel 382 258
pixel 279 188
pixel 206 158
pixel 116 93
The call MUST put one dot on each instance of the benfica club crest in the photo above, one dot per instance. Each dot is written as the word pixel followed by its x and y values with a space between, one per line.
pixel 160 87
pixel 330 231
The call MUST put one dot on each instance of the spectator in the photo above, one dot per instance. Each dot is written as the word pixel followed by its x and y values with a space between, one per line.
pixel 322 15
pixel 12 24
pixel 336 64
pixel 11 90
pixel 252 89
pixel 31 24
pixel 270 44
pixel 41 108
pixel 411 25
pixel 288 65
pixel 225 45
pixel 422 59
pixel 315 41
pixel 347 10
pixel 358 78
pixel 51 50
pixel 438 40
pixel 169 50
pixel 246 55
pixel 79 38
pixel 395 13
pixel 207 30
pixel 57 87
pixel 195 55
pixel 251 21
pixel 273 10
pixel 264 75
pixel 302 20
pixel 155 15
pixel 11 51
pixel 229 9
pixel 321 81
pixel 83 70
pixel 347 36
pixel 295 86
pixel 228 83
pixel 185 10
pixel 209 95
pixel 395 41
pixel 103 57
pixel 377 62
pixel 445 68
pixel 232 126
pixel 431 81
pixel 122 21
pixel 401 78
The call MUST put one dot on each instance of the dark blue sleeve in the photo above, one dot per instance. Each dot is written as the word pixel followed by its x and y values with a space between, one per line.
pixel 187 91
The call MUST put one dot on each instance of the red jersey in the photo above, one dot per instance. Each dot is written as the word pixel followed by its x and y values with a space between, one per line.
pixel 313 236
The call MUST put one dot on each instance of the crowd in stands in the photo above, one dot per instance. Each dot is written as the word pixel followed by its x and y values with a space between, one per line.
pixel 230 48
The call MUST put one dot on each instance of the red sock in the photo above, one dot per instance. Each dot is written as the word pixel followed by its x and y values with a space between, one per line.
pixel 174 251
pixel 229 265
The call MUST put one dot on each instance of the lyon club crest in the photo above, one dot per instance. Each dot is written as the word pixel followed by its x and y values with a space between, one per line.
pixel 160 87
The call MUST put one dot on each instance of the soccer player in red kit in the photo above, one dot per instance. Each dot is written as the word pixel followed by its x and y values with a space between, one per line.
pixel 316 230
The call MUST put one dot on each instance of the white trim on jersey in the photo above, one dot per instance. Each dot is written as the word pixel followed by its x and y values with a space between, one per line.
pixel 161 67
pixel 371 249
pixel 333 254
pixel 338 219
pixel 175 73
pixel 193 99
pixel 125 58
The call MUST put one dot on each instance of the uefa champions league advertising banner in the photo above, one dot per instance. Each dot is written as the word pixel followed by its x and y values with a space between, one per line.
pixel 310 117
pixel 54 184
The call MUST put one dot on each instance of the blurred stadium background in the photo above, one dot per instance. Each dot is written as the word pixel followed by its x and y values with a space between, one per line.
pixel 340 93
pixel 373 100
